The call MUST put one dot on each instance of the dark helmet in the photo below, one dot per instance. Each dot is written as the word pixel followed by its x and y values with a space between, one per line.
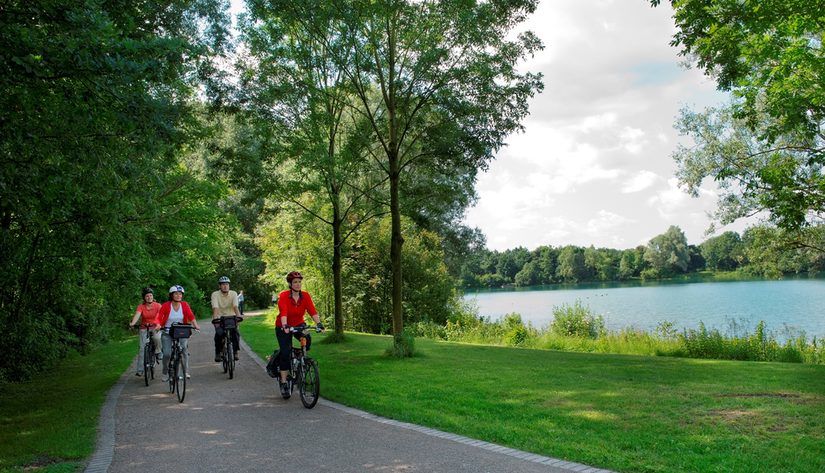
pixel 147 290
pixel 293 275
pixel 223 279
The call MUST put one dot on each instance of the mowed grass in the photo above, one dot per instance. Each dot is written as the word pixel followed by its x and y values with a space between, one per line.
pixel 625 413
pixel 49 424
pixel 621 412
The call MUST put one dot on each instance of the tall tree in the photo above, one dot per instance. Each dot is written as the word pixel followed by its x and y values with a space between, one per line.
pixel 437 82
pixel 298 96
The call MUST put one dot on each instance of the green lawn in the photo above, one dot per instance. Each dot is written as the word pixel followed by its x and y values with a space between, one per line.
pixel 51 422
pixel 626 413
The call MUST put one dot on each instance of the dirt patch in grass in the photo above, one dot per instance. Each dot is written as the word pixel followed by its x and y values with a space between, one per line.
pixel 731 415
pixel 776 395
pixel 41 462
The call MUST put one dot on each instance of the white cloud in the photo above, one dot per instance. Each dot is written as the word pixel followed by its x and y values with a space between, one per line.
pixel 594 165
pixel 639 182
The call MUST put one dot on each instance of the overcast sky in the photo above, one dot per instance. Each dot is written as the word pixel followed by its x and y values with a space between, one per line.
pixel 594 166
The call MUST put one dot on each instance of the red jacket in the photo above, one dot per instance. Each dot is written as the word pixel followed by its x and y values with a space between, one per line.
pixel 294 311
pixel 166 308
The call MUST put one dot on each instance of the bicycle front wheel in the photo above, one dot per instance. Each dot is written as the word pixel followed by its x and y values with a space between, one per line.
pixel 310 384
pixel 180 380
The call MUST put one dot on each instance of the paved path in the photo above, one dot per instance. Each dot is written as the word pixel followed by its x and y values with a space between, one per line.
pixel 243 425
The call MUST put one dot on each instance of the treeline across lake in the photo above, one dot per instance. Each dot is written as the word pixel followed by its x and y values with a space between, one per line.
pixel 761 251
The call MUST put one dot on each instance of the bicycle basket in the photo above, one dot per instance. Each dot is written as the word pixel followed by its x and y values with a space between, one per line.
pixel 180 331
pixel 229 322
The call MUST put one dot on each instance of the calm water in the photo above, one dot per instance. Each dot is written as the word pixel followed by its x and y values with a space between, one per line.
pixel 791 304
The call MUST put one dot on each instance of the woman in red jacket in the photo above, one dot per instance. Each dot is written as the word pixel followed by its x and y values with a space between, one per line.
pixel 293 305
pixel 175 310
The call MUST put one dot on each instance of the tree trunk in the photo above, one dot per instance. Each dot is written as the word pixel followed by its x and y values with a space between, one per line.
pixel 336 267
pixel 395 245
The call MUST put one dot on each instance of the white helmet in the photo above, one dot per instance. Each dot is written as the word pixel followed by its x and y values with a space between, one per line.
pixel 176 289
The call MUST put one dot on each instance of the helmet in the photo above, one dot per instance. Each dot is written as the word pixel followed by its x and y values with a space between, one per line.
pixel 176 289
pixel 223 279
pixel 147 290
pixel 293 275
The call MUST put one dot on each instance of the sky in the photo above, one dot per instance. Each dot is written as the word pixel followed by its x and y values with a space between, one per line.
pixel 594 164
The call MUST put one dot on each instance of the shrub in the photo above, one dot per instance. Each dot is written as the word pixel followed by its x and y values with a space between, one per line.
pixel 576 321
pixel 516 333
pixel 403 345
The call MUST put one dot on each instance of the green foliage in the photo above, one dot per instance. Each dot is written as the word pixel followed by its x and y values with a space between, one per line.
pixel 765 150
pixel 515 332
pixel 668 253
pixel 758 346
pixel 576 321
pixel 96 199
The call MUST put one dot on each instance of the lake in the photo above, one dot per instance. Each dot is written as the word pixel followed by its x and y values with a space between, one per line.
pixel 786 306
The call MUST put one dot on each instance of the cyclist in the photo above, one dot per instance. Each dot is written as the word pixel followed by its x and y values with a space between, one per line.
pixel 293 305
pixel 175 310
pixel 147 312
pixel 224 304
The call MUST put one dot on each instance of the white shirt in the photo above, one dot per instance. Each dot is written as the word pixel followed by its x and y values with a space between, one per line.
pixel 175 316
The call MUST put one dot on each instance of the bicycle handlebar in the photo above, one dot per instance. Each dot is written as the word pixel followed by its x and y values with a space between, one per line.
pixel 303 329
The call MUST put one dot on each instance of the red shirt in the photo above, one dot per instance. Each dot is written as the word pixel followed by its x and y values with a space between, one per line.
pixel 148 313
pixel 166 308
pixel 294 311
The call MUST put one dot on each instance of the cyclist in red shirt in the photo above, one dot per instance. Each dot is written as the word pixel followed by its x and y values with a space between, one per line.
pixel 147 312
pixel 293 305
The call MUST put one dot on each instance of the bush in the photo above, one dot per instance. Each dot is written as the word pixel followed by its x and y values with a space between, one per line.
pixel 576 321
pixel 516 333
pixel 403 345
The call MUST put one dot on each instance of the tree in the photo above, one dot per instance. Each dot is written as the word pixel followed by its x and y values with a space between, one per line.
pixel 723 252
pixel 767 149
pixel 668 253
pixel 94 116
pixel 297 95
pixel 571 264
pixel 632 262
pixel 437 84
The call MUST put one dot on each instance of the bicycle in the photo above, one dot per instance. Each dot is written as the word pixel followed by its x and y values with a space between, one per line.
pixel 177 368
pixel 229 323
pixel 149 358
pixel 303 370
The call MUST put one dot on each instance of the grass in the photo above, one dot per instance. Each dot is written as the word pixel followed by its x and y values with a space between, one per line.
pixel 49 424
pixel 625 413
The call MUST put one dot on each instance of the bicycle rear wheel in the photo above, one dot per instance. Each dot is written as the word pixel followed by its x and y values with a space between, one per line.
pixel 172 373
pixel 180 380
pixel 148 361
pixel 230 357
pixel 309 384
